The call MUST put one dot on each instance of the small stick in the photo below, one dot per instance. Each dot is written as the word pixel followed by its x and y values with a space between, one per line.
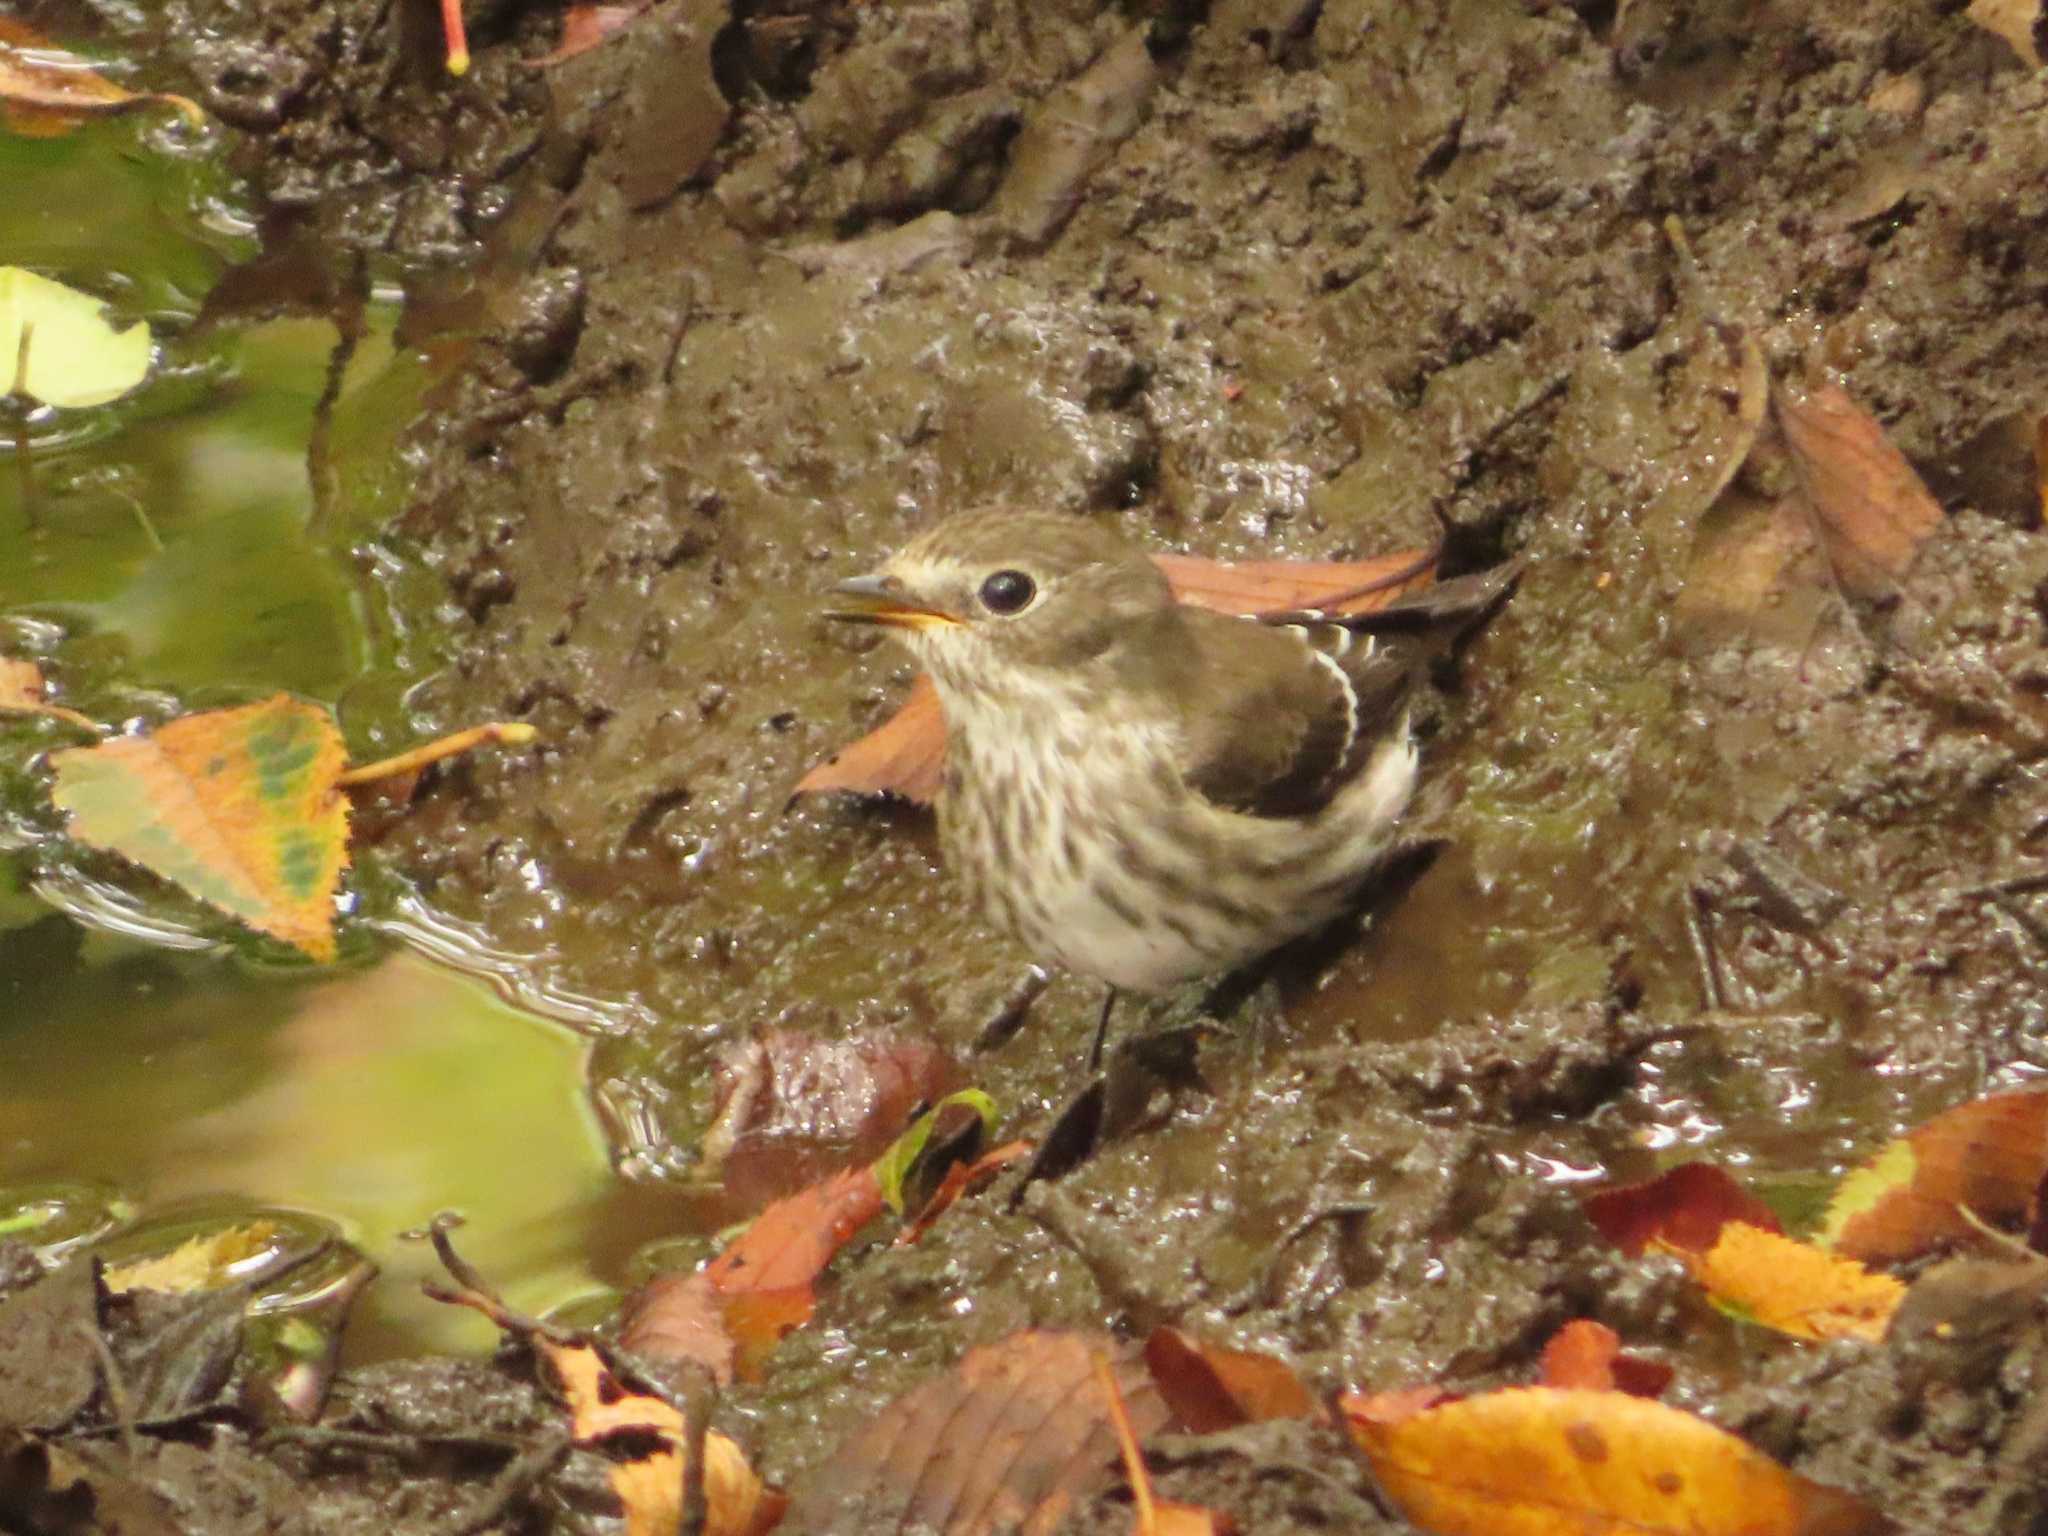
pixel 506 733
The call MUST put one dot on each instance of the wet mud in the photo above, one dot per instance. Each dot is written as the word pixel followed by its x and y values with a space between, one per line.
pixel 754 291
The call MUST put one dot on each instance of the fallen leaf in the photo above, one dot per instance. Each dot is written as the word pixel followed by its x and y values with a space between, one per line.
pixel 1988 1156
pixel 728 1315
pixel 1211 1388
pixel 791 1107
pixel 2015 21
pixel 237 806
pixel 951 1132
pixel 23 692
pixel 905 755
pixel 56 346
pixel 583 28
pixel 1006 1441
pixel 1154 1516
pixel 1793 1287
pixel 1537 1461
pixel 1587 1355
pixel 1684 1208
pixel 648 1441
pixel 200 1263
pixel 1871 512
pixel 45 90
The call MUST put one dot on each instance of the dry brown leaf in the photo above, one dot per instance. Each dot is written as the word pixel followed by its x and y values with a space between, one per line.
pixel 1871 512
pixel 1535 1461
pixel 906 754
pixel 1006 1441
pixel 1212 1388
pixel 1793 1287
pixel 607 1416
pixel 1988 1157
pixel 45 90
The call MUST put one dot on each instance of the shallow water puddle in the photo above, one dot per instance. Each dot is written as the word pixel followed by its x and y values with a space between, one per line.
pixel 374 1098
pixel 174 551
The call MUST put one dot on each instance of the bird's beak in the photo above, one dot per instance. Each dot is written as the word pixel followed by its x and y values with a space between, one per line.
pixel 880 600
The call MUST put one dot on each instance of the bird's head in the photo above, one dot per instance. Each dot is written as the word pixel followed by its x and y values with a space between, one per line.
pixel 1036 591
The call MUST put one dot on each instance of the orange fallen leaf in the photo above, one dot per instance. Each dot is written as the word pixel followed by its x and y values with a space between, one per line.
pixel 45 90
pixel 1537 1461
pixel 1154 1516
pixel 237 806
pixel 1871 512
pixel 1794 1287
pixel 906 754
pixel 1212 1388
pixel 607 1416
pixel 24 692
pixel 1006 1441
pixel 240 807
pixel 728 1315
pixel 1684 1207
pixel 1988 1157
pixel 1587 1355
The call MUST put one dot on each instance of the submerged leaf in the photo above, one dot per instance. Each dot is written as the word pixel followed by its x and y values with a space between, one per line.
pixel 46 90
pixel 237 806
pixel 72 357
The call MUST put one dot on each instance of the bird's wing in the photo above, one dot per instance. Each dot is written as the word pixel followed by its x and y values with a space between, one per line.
pixel 1286 708
pixel 1285 713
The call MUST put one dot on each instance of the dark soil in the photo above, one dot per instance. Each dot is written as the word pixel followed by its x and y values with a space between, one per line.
pixel 761 290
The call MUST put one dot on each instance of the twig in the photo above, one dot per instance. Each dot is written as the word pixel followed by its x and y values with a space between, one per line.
pixel 506 733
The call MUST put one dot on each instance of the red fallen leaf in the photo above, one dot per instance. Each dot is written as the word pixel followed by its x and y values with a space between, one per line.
pixel 791 1242
pixel 1005 1441
pixel 680 1316
pixel 905 755
pixel 1537 1461
pixel 1871 511
pixel 583 28
pixel 960 1179
pixel 1685 1208
pixel 1586 1354
pixel 1988 1157
pixel 792 1106
pixel 1155 1516
pixel 1211 1388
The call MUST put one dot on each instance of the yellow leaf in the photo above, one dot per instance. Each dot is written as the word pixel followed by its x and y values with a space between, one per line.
pixel 1794 1287
pixel 73 356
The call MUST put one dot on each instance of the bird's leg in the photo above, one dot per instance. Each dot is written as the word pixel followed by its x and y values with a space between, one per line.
pixel 1101 1030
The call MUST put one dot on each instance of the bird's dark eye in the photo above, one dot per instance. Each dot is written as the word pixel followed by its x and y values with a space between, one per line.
pixel 1008 592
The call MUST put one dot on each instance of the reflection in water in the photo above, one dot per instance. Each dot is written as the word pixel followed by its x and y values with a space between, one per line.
pixel 375 1098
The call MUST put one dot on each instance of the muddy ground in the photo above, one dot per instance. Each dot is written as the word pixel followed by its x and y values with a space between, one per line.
pixel 766 287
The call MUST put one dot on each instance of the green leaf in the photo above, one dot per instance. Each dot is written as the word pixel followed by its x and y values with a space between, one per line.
pixel 73 357
pixel 892 1166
